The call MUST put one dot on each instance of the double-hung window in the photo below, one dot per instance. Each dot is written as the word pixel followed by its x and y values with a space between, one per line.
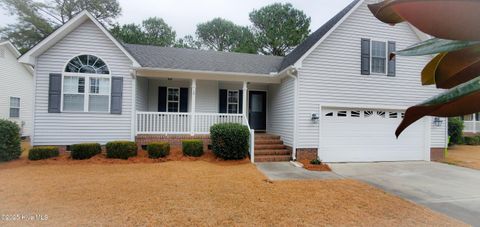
pixel 14 107
pixel 379 57
pixel 173 99
pixel 232 101
pixel 86 85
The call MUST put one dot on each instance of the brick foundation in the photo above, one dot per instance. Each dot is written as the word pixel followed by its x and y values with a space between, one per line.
pixel 437 154
pixel 306 153
pixel 175 141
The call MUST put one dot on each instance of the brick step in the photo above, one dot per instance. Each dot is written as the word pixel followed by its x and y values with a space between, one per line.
pixel 272 152
pixel 261 136
pixel 272 158
pixel 269 146
pixel 268 141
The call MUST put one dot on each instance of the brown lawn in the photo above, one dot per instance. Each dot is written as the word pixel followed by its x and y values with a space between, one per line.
pixel 194 193
pixel 464 155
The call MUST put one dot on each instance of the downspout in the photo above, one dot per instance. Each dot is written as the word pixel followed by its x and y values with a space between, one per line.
pixel 293 73
pixel 133 131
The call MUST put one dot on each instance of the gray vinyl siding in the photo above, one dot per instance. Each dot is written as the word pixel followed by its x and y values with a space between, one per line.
pixel 280 120
pixel 207 96
pixel 439 134
pixel 68 128
pixel 331 73
pixel 141 97
pixel 16 81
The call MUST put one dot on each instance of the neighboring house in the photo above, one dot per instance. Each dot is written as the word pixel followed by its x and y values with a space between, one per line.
pixel 471 123
pixel 16 88
pixel 336 96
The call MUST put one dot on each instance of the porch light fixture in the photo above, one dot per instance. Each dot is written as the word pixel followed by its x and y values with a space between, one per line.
pixel 437 122
pixel 315 117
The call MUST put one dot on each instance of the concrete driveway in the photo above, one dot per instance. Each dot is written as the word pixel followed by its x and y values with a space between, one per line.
pixel 452 190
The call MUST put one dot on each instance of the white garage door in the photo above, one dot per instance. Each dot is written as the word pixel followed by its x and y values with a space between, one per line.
pixel 349 135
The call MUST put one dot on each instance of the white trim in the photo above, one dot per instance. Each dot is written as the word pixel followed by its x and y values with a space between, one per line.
pixel 299 62
pixel 237 103
pixel 178 102
pixel 86 93
pixel 362 106
pixel 10 106
pixel 371 57
pixel 244 98
pixel 295 112
pixel 64 30
pixel 428 137
pixel 133 130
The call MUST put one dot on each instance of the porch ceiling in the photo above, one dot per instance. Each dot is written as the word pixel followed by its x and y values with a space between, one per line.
pixel 208 75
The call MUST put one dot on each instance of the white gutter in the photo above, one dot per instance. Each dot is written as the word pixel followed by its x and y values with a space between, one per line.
pixel 293 73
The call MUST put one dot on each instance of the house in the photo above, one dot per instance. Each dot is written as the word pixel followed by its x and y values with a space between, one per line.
pixel 336 96
pixel 16 88
pixel 471 124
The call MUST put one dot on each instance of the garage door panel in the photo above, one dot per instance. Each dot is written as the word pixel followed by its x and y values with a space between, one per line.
pixel 368 135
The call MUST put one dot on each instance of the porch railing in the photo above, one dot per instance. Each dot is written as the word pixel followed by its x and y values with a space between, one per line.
pixel 182 123
pixel 188 123
pixel 471 126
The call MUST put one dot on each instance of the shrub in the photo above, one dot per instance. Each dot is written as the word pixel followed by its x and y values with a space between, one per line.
pixel 158 150
pixel 455 130
pixel 10 148
pixel 85 150
pixel 121 149
pixel 474 140
pixel 316 161
pixel 44 152
pixel 230 140
pixel 192 148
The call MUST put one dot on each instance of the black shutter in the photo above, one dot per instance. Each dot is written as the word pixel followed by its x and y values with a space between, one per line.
pixel 391 62
pixel 183 99
pixel 365 57
pixel 54 92
pixel 162 99
pixel 117 95
pixel 240 101
pixel 222 95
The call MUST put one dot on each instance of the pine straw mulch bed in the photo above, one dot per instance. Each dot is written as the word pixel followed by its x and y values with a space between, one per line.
pixel 322 167
pixel 464 155
pixel 199 192
pixel 142 157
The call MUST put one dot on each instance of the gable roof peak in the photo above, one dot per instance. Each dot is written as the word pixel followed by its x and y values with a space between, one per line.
pixel 315 37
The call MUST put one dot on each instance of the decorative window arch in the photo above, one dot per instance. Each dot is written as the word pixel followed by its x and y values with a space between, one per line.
pixel 86 85
pixel 87 64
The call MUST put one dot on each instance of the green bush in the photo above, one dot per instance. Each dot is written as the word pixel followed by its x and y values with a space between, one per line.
pixel 121 149
pixel 316 161
pixel 85 150
pixel 192 148
pixel 473 140
pixel 455 130
pixel 44 152
pixel 230 140
pixel 158 150
pixel 10 148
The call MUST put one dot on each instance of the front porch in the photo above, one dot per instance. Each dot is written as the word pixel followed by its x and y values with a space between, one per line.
pixel 173 107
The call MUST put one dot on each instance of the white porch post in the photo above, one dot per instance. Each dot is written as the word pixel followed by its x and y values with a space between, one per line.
pixel 244 99
pixel 193 111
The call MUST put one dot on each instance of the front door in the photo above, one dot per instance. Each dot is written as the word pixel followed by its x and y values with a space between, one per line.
pixel 257 115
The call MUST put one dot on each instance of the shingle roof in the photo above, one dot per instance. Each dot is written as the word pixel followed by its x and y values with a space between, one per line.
pixel 204 60
pixel 301 49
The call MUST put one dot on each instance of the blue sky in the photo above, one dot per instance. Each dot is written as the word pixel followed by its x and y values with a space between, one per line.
pixel 184 15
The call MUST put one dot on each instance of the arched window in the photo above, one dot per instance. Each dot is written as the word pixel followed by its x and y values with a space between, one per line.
pixel 86 85
pixel 87 64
